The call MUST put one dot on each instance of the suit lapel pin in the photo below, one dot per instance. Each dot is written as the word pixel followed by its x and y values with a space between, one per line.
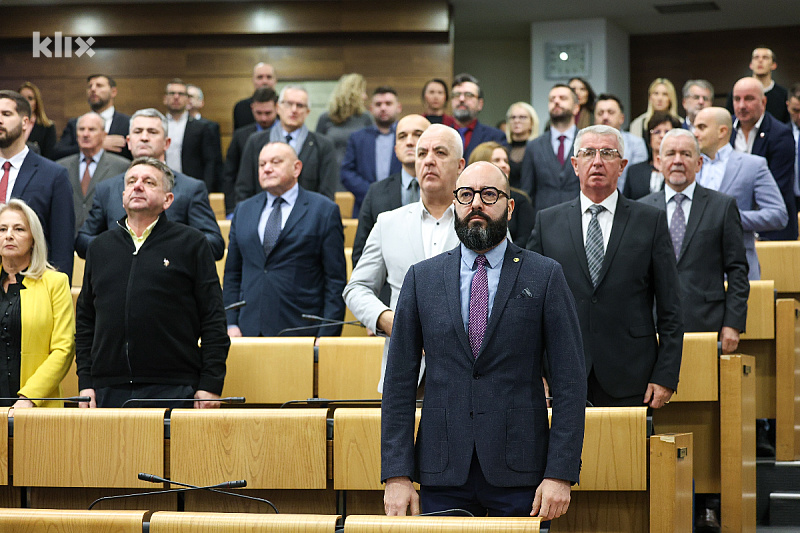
pixel 761 134
pixel 516 259
pixel 166 262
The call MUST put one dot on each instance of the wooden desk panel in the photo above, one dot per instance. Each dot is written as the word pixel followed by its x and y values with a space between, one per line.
pixel 760 310
pixel 609 512
pixel 270 448
pixel 357 448
pixel 671 497
pixel 88 447
pixel 350 227
pixel 270 370
pixel 63 521
pixel 221 265
pixel 438 524
pixel 780 261
pixel 345 200
pixel 787 380
pixel 217 201
pixel 224 228
pixel 237 522
pixel 698 378
pixel 4 446
pixel 614 453
pixel 349 367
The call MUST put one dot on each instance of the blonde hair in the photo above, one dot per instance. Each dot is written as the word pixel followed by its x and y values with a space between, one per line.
pixel 41 116
pixel 347 98
pixel 534 120
pixel 673 97
pixel 39 246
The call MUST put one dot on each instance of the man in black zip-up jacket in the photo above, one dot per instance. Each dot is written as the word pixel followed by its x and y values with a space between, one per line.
pixel 150 291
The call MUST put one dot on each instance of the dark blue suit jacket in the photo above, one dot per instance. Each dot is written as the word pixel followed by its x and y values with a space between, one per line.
pixel 358 166
pixel 190 207
pixel 495 403
pixel 68 144
pixel 775 142
pixel 304 273
pixel 45 187
pixel 481 134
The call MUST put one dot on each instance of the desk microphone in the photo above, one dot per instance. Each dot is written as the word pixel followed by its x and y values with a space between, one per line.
pixel 228 484
pixel 327 324
pixel 235 305
pixel 230 399
pixel 152 478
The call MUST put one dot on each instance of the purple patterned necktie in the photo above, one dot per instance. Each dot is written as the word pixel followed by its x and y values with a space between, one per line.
pixel 478 305
pixel 677 227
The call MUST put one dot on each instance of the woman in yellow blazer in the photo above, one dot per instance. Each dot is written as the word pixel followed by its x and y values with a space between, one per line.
pixel 37 319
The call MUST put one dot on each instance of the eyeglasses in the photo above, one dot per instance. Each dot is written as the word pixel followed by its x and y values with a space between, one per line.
pixel 489 195
pixel 606 154
pixel 298 105
pixel 176 93
pixel 467 96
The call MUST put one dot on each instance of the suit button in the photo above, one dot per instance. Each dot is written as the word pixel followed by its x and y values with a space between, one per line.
pixel 476 376
pixel 594 299
pixel 470 414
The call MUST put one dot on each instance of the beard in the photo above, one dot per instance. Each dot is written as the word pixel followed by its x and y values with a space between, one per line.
pixel 479 238
pixel 10 136
pixel 463 115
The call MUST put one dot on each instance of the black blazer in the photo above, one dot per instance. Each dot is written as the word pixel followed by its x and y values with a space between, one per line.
pixel 481 134
pixel 637 184
pixel 775 142
pixel 201 157
pixel 492 404
pixel 242 113
pixel 383 195
pixel 233 160
pixel 68 145
pixel 546 181
pixel 713 248
pixel 638 272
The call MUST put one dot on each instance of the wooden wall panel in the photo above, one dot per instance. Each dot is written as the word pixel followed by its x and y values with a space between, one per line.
pixel 215 46
pixel 721 57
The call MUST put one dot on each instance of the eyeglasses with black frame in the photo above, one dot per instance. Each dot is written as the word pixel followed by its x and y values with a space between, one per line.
pixel 489 195
pixel 606 154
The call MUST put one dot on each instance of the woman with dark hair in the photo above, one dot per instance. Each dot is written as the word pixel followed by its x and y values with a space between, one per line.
pixel 644 178
pixel 36 313
pixel 586 99
pixel 435 97
pixel 43 134
pixel 522 218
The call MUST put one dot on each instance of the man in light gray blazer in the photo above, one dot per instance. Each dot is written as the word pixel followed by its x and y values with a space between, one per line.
pixel 746 177
pixel 101 164
pixel 408 234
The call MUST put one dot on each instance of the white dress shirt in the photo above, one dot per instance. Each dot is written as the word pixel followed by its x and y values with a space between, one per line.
pixel 176 130
pixel 686 205
pixel 604 218
pixel 13 172
pixel 289 199
pixel 743 144
pixel 435 231
pixel 108 116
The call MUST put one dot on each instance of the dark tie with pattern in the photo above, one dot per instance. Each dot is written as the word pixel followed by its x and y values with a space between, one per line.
pixel 273 227
pixel 594 244
pixel 561 156
pixel 677 227
pixel 478 305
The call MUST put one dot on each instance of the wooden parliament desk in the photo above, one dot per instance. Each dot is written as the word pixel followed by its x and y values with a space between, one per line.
pixel 172 522
pixel 71 521
pixel 613 495
pixel 438 524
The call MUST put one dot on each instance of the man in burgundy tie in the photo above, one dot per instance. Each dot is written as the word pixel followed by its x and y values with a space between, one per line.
pixel 39 182
pixel 489 316
pixel 546 174
pixel 91 165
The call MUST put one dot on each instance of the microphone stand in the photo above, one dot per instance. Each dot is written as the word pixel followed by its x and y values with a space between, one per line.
pixel 212 488
pixel 230 399
pixel 152 478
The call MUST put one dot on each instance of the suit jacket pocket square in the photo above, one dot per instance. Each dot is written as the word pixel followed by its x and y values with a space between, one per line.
pixel 526 293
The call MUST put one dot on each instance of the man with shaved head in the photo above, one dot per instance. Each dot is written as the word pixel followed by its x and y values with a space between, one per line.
pixel 489 316
pixel 263 76
pixel 408 234
pixel 745 177
pixel 757 132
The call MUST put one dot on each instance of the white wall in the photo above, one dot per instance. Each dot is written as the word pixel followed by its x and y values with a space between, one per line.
pixel 609 58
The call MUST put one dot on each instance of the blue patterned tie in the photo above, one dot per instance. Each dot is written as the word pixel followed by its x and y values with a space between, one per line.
pixel 594 244
pixel 677 227
pixel 272 229
pixel 478 305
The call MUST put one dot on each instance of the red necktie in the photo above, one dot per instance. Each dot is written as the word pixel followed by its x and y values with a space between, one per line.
pixel 87 176
pixel 4 181
pixel 561 158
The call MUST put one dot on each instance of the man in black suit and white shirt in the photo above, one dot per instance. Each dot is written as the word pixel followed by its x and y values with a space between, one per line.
pixel 101 90
pixel 195 149
pixel 398 189
pixel 263 76
pixel 619 262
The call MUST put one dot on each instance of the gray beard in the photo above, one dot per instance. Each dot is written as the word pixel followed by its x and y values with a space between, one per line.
pixel 463 115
